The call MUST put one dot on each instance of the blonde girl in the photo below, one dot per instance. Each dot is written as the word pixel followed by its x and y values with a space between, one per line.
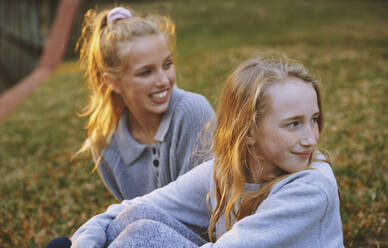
pixel 267 186
pixel 142 129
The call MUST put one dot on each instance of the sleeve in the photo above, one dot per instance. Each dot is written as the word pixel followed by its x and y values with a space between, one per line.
pixel 92 233
pixel 191 146
pixel 184 199
pixel 289 217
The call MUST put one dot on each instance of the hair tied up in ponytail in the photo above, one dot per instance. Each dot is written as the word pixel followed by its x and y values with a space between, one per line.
pixel 118 13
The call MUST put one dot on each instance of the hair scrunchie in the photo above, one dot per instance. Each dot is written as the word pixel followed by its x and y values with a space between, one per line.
pixel 118 13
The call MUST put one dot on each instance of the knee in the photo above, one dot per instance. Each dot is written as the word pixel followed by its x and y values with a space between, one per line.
pixel 140 233
pixel 145 226
pixel 145 230
pixel 137 212
pixel 142 210
pixel 131 214
pixel 138 228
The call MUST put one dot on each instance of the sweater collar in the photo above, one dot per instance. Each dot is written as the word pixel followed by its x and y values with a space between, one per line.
pixel 130 149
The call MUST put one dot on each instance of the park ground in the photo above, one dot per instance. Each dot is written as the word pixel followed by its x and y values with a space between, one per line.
pixel 43 194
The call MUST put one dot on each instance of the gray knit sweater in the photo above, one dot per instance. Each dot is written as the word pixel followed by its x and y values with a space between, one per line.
pixel 131 169
pixel 301 211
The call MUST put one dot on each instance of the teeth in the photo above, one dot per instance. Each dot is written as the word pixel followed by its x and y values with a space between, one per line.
pixel 159 95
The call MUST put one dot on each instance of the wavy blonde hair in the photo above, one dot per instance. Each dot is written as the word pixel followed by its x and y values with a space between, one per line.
pixel 104 48
pixel 241 108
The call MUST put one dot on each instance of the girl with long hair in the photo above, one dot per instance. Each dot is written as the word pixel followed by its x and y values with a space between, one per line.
pixel 268 185
pixel 142 130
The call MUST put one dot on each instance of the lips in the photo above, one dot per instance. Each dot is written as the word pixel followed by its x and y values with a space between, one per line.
pixel 160 96
pixel 304 155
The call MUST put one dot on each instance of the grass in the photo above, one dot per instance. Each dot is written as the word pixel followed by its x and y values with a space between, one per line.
pixel 345 43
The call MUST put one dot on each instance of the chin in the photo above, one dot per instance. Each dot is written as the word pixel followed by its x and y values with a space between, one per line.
pixel 161 109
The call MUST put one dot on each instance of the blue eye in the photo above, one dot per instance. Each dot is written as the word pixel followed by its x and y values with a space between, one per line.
pixel 315 120
pixel 293 124
pixel 167 65
pixel 144 73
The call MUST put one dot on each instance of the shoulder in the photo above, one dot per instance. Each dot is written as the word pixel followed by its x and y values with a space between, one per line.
pixel 312 183
pixel 306 195
pixel 320 174
pixel 320 164
pixel 190 103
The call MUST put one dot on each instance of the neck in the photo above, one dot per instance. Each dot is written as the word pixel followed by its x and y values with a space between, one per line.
pixel 143 128
pixel 260 172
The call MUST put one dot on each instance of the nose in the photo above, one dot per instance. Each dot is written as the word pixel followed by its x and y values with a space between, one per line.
pixel 310 136
pixel 163 79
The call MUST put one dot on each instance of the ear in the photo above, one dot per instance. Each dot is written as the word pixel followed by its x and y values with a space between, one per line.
pixel 251 139
pixel 111 82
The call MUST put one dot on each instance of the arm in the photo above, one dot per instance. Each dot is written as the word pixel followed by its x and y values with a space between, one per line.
pixel 293 215
pixel 184 199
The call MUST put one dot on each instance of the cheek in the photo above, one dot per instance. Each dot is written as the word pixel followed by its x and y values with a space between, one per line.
pixel 279 136
pixel 136 91
pixel 316 133
pixel 273 143
pixel 172 74
pixel 143 85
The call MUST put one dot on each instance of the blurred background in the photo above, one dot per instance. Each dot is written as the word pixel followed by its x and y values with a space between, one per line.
pixel 344 43
pixel 24 25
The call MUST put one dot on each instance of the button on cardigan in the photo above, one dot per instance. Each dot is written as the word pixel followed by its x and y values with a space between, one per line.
pixel 131 169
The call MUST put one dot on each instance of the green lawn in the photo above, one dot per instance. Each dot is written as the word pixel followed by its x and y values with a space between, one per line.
pixel 345 43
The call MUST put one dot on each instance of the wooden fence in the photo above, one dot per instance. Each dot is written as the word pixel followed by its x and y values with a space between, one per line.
pixel 24 25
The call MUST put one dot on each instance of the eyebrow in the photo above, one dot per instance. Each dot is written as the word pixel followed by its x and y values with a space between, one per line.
pixel 298 117
pixel 168 57
pixel 150 65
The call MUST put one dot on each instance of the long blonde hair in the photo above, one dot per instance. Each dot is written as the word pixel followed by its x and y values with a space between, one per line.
pixel 241 108
pixel 104 48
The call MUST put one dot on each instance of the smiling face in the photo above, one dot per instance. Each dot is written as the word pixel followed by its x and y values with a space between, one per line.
pixel 289 131
pixel 147 84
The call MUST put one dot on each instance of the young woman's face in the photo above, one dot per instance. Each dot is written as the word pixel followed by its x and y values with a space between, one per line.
pixel 290 128
pixel 147 84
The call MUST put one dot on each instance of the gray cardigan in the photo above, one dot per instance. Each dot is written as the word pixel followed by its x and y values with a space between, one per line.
pixel 301 211
pixel 131 169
